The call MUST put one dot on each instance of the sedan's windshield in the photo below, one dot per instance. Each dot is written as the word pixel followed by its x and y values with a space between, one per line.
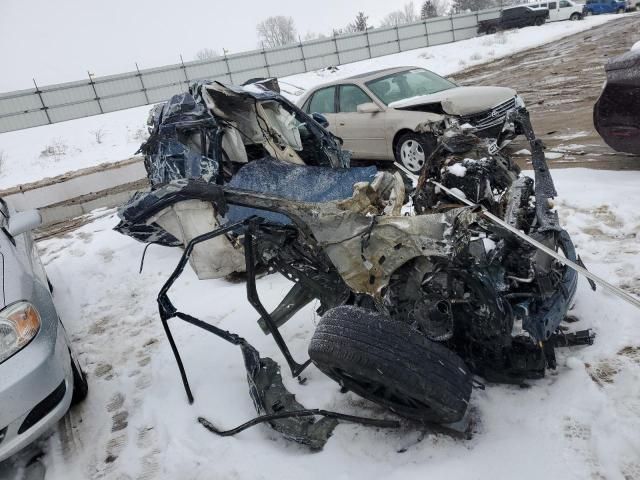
pixel 407 84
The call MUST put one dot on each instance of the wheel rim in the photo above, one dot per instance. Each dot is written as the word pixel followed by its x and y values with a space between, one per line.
pixel 412 155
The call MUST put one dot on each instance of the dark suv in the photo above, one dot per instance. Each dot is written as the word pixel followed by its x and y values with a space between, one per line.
pixel 515 17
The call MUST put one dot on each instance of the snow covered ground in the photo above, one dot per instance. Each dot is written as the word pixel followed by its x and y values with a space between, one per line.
pixel 581 421
pixel 73 145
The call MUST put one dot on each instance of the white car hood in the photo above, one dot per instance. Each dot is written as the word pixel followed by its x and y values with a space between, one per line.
pixel 461 100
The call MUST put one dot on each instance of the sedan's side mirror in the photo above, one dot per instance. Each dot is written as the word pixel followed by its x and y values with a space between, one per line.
pixel 21 222
pixel 368 107
pixel 321 119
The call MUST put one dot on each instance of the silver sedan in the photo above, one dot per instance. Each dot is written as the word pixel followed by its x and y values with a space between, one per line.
pixel 387 114
pixel 39 375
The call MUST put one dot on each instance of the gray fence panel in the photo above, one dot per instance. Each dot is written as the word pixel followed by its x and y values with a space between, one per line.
pixel 322 62
pixel 355 55
pixel 352 42
pixel 381 37
pixel 410 32
pixel 157 95
pixel 319 48
pixel 71 112
pixel 164 77
pixel 118 87
pixel 121 102
pixel 441 38
pixel 488 14
pixel 68 95
pixel 439 25
pixel 24 120
pixel 283 55
pixel 285 69
pixel 92 96
pixel 22 103
pixel 464 22
pixel 466 33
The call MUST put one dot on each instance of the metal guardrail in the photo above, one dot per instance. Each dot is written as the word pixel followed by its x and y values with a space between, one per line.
pixel 97 95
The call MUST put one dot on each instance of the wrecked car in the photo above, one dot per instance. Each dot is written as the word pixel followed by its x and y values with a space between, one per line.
pixel 417 291
pixel 616 114
pixel 386 114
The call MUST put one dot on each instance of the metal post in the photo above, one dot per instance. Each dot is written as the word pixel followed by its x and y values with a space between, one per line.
pixel 453 30
pixel 426 32
pixel 266 62
pixel 398 37
pixel 226 62
pixel 144 89
pixel 44 107
pixel 304 60
pixel 184 70
pixel 93 85
pixel 335 43
pixel 366 32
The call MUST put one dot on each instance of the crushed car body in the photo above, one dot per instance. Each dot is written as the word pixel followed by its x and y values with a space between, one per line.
pixel 417 291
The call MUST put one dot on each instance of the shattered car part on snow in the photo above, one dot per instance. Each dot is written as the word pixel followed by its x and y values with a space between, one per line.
pixel 412 306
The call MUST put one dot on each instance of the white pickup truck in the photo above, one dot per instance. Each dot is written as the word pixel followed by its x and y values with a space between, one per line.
pixel 561 9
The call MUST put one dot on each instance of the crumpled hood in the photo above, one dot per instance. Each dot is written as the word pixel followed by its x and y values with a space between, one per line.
pixel 461 100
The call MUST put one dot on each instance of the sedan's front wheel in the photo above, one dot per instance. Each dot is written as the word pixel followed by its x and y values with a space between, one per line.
pixel 412 150
pixel 80 384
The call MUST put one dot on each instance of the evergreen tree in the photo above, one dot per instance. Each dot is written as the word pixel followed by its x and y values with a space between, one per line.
pixel 360 22
pixel 428 10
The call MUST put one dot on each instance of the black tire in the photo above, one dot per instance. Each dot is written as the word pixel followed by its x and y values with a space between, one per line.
pixel 80 384
pixel 492 30
pixel 391 364
pixel 575 17
pixel 539 21
pixel 427 144
pixel 621 11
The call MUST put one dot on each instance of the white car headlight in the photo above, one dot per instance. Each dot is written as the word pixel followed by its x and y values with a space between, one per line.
pixel 19 323
pixel 520 102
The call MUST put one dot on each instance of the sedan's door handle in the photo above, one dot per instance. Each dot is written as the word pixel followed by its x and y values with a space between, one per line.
pixel 341 124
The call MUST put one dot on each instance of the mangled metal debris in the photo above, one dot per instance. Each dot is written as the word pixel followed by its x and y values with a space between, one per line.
pixel 417 293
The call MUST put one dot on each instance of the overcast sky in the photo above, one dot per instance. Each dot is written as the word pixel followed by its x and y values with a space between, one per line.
pixel 59 40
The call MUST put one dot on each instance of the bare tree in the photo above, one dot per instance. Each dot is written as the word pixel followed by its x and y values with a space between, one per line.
pixel 406 15
pixel 410 14
pixel 206 54
pixel 99 134
pixel 277 31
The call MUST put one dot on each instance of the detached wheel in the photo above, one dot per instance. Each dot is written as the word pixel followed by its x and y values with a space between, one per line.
pixel 413 149
pixel 391 364
pixel 539 21
pixel 80 384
